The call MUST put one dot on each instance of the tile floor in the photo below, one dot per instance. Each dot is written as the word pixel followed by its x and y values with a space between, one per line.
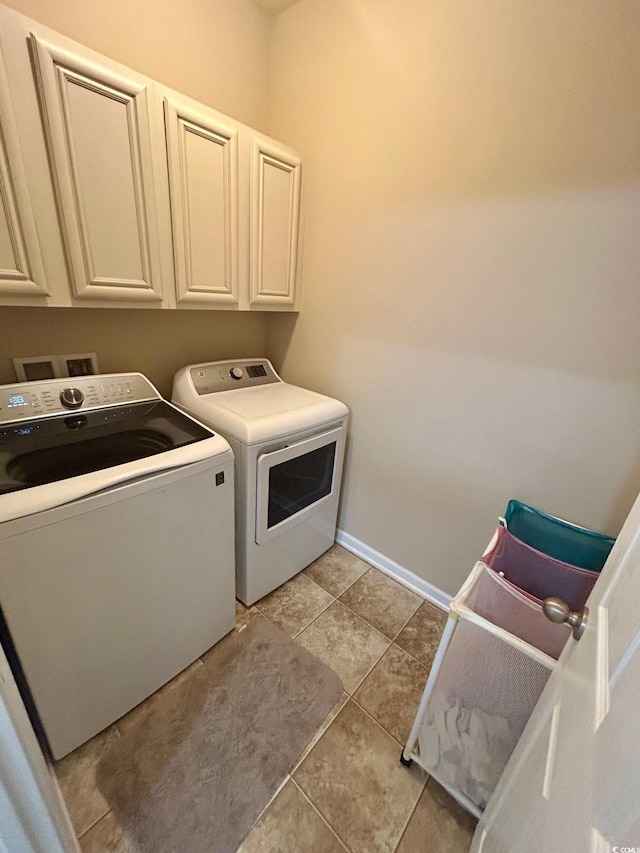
pixel 348 791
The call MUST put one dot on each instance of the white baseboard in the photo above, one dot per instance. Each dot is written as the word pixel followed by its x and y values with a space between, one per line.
pixel 405 577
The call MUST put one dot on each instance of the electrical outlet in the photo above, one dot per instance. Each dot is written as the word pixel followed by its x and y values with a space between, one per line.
pixel 35 368
pixel 80 364
pixel 40 367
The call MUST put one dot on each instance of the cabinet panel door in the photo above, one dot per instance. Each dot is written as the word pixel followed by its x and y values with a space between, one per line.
pixel 203 179
pixel 275 214
pixel 97 124
pixel 21 268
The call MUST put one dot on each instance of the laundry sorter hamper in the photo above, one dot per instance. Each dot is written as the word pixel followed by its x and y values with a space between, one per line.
pixel 496 654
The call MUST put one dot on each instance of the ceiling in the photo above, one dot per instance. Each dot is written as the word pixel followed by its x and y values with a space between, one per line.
pixel 274 6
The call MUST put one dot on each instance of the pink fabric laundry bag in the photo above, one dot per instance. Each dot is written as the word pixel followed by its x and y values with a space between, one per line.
pixel 537 574
pixel 503 604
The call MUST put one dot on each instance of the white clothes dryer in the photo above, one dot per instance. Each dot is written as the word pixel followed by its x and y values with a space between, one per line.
pixel 288 444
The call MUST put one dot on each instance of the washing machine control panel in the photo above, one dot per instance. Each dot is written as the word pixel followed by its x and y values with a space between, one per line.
pixel 28 400
pixel 225 375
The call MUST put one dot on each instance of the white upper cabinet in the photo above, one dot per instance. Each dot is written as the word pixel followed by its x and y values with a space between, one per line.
pixel 274 225
pixel 130 194
pixel 21 268
pixel 98 129
pixel 202 154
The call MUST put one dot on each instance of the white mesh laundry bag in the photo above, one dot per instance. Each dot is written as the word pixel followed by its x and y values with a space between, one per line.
pixel 484 685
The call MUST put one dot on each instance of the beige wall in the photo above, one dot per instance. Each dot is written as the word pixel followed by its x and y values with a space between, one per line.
pixel 216 52
pixel 471 259
pixel 155 343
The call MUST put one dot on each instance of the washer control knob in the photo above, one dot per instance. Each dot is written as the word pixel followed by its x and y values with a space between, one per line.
pixel 71 398
pixel 236 373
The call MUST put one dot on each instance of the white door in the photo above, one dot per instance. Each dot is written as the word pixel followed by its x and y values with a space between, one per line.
pixel 99 133
pixel 572 784
pixel 275 219
pixel 202 151
pixel 33 818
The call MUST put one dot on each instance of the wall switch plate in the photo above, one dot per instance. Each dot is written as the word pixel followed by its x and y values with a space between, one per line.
pixel 35 368
pixel 79 364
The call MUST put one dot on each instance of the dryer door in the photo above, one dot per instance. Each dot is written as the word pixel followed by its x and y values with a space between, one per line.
pixel 296 481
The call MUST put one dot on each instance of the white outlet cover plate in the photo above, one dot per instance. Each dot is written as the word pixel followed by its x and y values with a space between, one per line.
pixel 54 366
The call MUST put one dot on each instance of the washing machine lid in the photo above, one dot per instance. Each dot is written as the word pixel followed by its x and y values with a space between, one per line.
pixel 256 413
pixel 35 453
pixel 120 429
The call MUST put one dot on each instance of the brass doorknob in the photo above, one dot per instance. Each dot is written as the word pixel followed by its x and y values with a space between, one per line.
pixel 559 611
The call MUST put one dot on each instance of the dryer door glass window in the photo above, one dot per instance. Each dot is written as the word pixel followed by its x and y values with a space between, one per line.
pixel 296 481
pixel 299 482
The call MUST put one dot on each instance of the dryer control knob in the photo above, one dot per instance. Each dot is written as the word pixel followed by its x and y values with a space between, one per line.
pixel 236 373
pixel 71 398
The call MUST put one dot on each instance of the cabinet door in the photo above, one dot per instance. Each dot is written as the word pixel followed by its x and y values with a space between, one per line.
pixel 21 268
pixel 274 214
pixel 97 123
pixel 202 151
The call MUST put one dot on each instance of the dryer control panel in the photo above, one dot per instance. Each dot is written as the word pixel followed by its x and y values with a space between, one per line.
pixel 228 375
pixel 27 400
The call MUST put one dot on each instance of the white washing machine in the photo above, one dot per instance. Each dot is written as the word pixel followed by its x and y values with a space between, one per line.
pixel 288 444
pixel 116 547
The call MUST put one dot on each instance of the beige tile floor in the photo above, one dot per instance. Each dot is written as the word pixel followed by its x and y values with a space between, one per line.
pixel 348 791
